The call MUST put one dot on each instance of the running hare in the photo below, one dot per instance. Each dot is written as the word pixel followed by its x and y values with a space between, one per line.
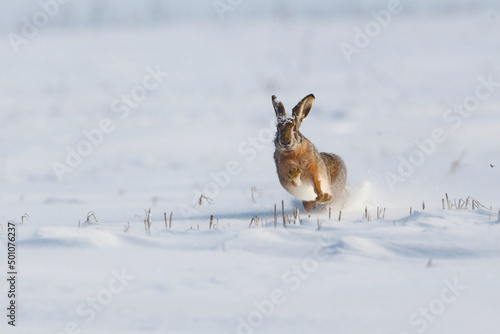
pixel 305 173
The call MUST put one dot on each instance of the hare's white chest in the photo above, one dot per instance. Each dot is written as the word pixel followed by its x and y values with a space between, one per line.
pixel 301 189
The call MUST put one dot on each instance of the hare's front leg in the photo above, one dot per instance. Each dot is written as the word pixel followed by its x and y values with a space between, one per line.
pixel 294 175
pixel 322 197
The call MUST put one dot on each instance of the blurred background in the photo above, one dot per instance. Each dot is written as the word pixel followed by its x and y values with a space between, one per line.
pixel 69 65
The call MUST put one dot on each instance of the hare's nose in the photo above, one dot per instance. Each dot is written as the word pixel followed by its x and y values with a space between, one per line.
pixel 287 142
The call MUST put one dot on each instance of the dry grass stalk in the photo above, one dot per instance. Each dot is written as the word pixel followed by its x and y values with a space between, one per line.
pixel 207 199
pixel 319 225
pixel 23 217
pixel 255 221
pixel 296 216
pixel 255 191
pixel 463 204
pixel 367 214
pixel 283 212
pixel 148 221
pixel 90 216
pixel 275 217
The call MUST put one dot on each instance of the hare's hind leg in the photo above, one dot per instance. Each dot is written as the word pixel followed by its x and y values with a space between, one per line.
pixel 309 205
pixel 336 168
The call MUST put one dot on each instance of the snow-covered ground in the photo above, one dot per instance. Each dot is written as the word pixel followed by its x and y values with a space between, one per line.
pixel 116 119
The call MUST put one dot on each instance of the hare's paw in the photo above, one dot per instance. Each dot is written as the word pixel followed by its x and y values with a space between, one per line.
pixel 323 198
pixel 294 174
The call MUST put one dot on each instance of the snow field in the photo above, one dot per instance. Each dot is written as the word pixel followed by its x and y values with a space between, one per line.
pixel 414 115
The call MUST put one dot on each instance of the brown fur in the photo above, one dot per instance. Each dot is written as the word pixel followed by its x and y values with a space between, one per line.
pixel 300 165
pixel 336 167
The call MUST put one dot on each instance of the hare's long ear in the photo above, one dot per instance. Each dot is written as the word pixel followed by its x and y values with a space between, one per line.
pixel 302 109
pixel 279 108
